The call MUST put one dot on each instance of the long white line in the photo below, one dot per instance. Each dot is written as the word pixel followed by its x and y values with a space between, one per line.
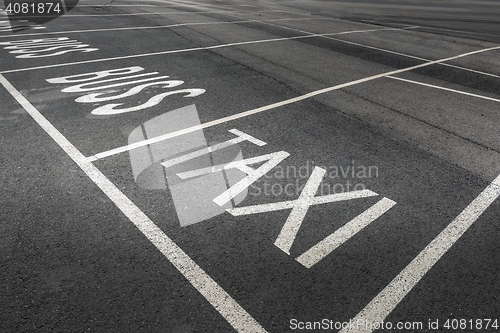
pixel 157 27
pixel 213 293
pixel 110 5
pixel 382 305
pixel 275 105
pixel 385 50
pixel 447 89
pixel 339 237
pixel 292 225
pixel 275 206
pixel 157 13
pixel 204 48
pixel 432 28
pixel 147 13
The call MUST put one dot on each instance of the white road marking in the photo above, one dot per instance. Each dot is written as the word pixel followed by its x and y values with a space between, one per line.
pixel 113 5
pixel 447 89
pixel 272 159
pixel 159 26
pixel 213 293
pixel 271 207
pixel 301 205
pixel 339 237
pixel 164 13
pixel 462 31
pixel 96 83
pixel 204 48
pixel 292 225
pixel 63 2
pixel 241 137
pixel 276 105
pixel 383 304
pixel 36 48
pixel 433 28
pixel 388 51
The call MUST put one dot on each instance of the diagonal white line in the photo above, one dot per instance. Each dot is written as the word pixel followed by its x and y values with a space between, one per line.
pixel 276 105
pixel 271 207
pixel 301 206
pixel 193 49
pixel 447 89
pixel 339 237
pixel 382 305
pixel 213 293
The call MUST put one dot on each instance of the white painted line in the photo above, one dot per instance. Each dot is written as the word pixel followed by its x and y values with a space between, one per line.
pixel 300 206
pixel 339 237
pixel 113 5
pixel 155 27
pixel 383 304
pixel 292 225
pixel 273 159
pixel 275 206
pixel 372 22
pixel 160 13
pixel 389 51
pixel 213 293
pixel 447 89
pixel 461 31
pixel 276 105
pixel 241 137
pixel 190 50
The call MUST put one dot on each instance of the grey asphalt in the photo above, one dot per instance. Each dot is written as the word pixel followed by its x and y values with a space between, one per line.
pixel 71 261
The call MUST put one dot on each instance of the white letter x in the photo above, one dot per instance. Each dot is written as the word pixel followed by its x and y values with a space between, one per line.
pixel 300 207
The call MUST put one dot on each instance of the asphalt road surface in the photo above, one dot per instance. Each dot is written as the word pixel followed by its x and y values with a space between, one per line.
pixel 251 166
